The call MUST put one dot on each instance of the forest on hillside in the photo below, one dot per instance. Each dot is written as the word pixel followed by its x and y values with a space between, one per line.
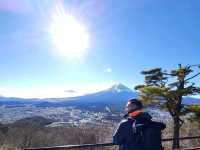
pixel 27 133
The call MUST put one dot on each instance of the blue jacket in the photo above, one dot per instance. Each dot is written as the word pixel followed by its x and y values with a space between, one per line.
pixel 124 135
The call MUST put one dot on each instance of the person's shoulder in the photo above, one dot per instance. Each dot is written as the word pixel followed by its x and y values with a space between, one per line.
pixel 124 122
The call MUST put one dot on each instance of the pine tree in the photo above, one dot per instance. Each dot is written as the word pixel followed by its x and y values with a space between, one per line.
pixel 167 89
pixel 195 109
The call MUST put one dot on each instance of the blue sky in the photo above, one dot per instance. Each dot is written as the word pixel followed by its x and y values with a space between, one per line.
pixel 125 37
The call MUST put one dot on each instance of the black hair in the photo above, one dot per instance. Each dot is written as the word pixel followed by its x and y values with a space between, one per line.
pixel 136 106
pixel 136 102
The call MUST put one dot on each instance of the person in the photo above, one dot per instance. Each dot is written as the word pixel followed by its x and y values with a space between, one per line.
pixel 134 132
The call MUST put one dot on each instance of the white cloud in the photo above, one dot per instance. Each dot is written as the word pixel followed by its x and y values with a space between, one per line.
pixel 56 91
pixel 69 91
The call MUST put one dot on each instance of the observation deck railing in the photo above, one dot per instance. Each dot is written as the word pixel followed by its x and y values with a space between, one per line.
pixel 108 146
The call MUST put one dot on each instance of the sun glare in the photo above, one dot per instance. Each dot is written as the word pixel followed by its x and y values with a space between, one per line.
pixel 69 36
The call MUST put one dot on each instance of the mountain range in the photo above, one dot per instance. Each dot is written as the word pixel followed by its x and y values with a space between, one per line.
pixel 116 96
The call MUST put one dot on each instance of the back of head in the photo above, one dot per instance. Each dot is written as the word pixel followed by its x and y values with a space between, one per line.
pixel 133 105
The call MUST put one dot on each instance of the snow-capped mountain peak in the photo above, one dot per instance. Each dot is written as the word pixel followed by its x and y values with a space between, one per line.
pixel 119 88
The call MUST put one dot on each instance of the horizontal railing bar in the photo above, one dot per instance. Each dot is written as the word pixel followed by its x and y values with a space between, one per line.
pixel 192 148
pixel 182 138
pixel 107 144
pixel 72 146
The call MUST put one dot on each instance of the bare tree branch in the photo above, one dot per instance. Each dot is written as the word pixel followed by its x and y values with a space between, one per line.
pixel 192 77
pixel 169 74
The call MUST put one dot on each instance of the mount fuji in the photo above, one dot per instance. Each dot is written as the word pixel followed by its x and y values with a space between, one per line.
pixel 116 96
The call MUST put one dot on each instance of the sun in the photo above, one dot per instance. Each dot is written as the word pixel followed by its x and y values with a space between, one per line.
pixel 69 36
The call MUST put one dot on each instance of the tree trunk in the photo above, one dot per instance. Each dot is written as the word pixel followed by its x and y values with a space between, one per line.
pixel 176 118
pixel 176 133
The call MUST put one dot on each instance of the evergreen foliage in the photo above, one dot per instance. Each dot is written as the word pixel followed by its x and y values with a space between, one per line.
pixel 167 89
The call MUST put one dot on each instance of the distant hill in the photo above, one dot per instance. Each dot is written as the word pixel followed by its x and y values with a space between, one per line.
pixel 36 120
pixel 3 128
pixel 17 101
pixel 191 100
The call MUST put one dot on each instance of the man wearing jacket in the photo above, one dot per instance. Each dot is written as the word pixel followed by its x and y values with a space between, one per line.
pixel 126 135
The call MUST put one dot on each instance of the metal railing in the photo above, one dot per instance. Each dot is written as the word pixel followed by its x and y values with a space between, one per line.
pixel 108 145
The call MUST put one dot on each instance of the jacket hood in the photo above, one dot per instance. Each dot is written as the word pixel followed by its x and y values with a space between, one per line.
pixel 141 118
pixel 146 119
